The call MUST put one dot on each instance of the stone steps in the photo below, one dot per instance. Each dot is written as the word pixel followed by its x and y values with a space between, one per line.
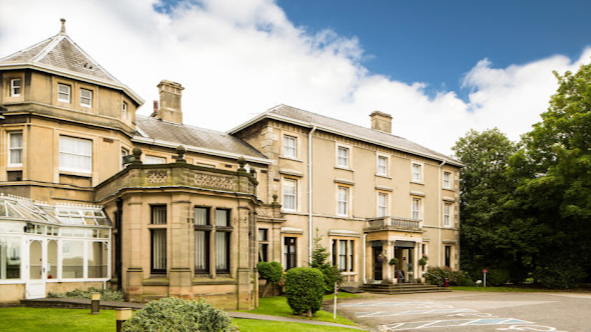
pixel 394 289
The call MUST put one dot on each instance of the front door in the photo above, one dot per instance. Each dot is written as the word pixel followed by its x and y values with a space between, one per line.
pixel 35 286
pixel 290 250
pixel 377 264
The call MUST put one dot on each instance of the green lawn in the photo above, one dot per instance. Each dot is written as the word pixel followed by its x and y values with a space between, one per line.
pixel 277 306
pixel 22 319
pixel 62 320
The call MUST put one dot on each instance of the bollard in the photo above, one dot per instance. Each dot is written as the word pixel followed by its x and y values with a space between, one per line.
pixel 122 315
pixel 445 282
pixel 95 303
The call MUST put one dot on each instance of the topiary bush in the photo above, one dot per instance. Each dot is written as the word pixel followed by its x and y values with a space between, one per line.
pixel 304 287
pixel 173 314
pixel 272 272
pixel 455 278
pixel 106 294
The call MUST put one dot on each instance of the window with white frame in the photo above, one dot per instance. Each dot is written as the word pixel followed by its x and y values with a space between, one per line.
pixel 343 254
pixel 85 98
pixel 124 111
pixel 124 153
pixel 63 93
pixel 382 165
pixel 15 87
pixel 382 204
pixel 75 154
pixel 447 180
pixel 447 215
pixel 342 156
pixel 15 149
pixel 154 160
pixel 416 208
pixel 290 198
pixel 290 146
pixel 342 201
pixel 417 172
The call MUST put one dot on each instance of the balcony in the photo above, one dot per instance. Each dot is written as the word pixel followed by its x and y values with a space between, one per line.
pixel 389 223
pixel 177 175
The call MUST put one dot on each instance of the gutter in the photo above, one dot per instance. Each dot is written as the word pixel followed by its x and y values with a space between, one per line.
pixel 310 194
pixel 439 212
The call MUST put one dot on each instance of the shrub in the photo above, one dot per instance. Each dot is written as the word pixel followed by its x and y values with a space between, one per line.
pixel 106 294
pixel 557 274
pixel 305 288
pixel 455 278
pixel 331 273
pixel 174 314
pixel 272 272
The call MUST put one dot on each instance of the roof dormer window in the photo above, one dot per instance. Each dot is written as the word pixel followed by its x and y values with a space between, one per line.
pixel 63 93
pixel 85 98
pixel 15 87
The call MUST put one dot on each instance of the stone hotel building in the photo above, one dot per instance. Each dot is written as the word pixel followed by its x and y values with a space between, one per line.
pixel 93 194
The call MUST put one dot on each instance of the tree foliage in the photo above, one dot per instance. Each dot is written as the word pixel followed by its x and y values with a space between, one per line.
pixel 331 273
pixel 272 272
pixel 528 212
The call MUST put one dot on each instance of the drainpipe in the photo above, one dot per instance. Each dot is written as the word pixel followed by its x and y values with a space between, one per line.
pixel 364 258
pixel 439 212
pixel 118 243
pixel 310 200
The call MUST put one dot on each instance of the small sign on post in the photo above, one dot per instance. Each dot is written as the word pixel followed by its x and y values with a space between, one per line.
pixel 484 272
pixel 336 293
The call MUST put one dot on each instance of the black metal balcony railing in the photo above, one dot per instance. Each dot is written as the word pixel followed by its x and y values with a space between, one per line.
pixel 394 223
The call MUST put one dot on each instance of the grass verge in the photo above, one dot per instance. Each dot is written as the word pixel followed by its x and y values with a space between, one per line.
pixel 64 320
pixel 501 289
pixel 251 325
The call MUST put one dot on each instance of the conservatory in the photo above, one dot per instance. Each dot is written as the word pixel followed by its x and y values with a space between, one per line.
pixel 51 247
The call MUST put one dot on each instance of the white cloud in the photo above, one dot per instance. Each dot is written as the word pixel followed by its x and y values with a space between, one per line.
pixel 239 58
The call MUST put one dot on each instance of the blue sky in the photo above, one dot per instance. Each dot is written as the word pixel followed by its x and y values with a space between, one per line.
pixel 440 68
pixel 438 41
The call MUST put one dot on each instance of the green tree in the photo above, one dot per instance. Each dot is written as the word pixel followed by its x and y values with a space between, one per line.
pixel 331 273
pixel 483 185
pixel 552 172
pixel 272 272
pixel 304 287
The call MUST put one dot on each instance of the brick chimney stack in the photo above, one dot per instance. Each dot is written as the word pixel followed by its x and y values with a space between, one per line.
pixel 381 122
pixel 170 102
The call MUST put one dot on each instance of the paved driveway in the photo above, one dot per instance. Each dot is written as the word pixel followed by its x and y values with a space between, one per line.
pixel 473 311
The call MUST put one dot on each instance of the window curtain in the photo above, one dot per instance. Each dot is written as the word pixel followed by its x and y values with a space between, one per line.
pixel 221 251
pixel 75 154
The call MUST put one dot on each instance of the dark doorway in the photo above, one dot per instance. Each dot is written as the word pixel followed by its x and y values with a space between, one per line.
pixel 289 247
pixel 377 264
pixel 448 256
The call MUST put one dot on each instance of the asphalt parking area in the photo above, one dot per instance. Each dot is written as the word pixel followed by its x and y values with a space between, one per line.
pixel 473 311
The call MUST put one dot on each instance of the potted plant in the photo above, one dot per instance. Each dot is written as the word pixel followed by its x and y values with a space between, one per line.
pixel 393 261
pixel 381 257
pixel 423 261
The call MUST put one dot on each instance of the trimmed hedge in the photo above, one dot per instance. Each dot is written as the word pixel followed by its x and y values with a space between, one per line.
pixel 455 278
pixel 304 287
pixel 106 294
pixel 272 272
pixel 173 314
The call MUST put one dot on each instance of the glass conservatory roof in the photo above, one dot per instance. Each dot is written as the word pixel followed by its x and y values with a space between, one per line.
pixel 19 208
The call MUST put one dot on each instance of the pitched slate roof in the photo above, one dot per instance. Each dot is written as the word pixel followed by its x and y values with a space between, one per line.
pixel 309 119
pixel 193 137
pixel 60 54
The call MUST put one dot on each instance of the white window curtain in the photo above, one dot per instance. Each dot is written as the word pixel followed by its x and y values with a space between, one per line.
pixel 343 200
pixel 221 218
pixel 289 194
pixel 416 172
pixel 158 250
pixel 15 149
pixel 382 165
pixel 446 180
pixel 382 204
pixel 221 251
pixel 154 160
pixel 201 216
pixel 289 146
pixel 416 208
pixel 343 157
pixel 343 255
pixel 201 250
pixel 75 154
pixel 447 215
